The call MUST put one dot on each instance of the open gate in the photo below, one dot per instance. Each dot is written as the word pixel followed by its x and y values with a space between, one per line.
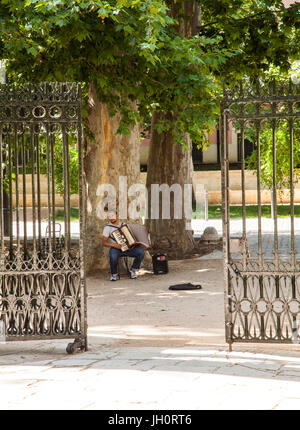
pixel 42 281
pixel 261 255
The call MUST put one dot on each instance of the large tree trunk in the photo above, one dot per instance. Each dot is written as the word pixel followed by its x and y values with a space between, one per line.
pixel 107 157
pixel 170 163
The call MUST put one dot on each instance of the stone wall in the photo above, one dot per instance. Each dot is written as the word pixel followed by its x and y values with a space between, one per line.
pixel 211 180
pixel 59 199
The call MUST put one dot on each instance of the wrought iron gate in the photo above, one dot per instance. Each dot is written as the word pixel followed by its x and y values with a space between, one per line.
pixel 42 281
pixel 261 264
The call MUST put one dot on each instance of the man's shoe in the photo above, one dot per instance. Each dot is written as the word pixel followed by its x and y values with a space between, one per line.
pixel 132 274
pixel 114 277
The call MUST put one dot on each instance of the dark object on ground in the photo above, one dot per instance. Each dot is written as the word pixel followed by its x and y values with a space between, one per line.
pixel 160 263
pixel 188 286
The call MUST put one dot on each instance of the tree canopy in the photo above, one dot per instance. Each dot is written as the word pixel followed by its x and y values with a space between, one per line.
pixel 127 48
pixel 131 50
pixel 265 32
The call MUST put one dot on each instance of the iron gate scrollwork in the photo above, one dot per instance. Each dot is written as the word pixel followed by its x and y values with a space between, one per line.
pixel 262 277
pixel 42 280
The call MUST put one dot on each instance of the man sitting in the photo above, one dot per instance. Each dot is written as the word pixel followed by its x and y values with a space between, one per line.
pixel 115 249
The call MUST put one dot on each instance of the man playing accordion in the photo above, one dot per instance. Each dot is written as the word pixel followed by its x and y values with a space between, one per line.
pixel 115 251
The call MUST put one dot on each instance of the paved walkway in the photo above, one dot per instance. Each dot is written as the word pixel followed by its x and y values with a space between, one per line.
pixel 151 348
pixel 197 378
pixel 284 228
pixel 236 228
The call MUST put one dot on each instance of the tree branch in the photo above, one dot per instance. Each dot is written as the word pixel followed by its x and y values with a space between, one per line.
pixel 235 20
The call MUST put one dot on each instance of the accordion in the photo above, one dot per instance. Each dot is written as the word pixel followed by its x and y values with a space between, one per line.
pixel 130 235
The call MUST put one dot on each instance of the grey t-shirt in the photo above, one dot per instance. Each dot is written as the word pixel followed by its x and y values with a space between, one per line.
pixel 108 229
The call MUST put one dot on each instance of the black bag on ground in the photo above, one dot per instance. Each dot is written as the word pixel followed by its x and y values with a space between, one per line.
pixel 187 286
pixel 160 263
